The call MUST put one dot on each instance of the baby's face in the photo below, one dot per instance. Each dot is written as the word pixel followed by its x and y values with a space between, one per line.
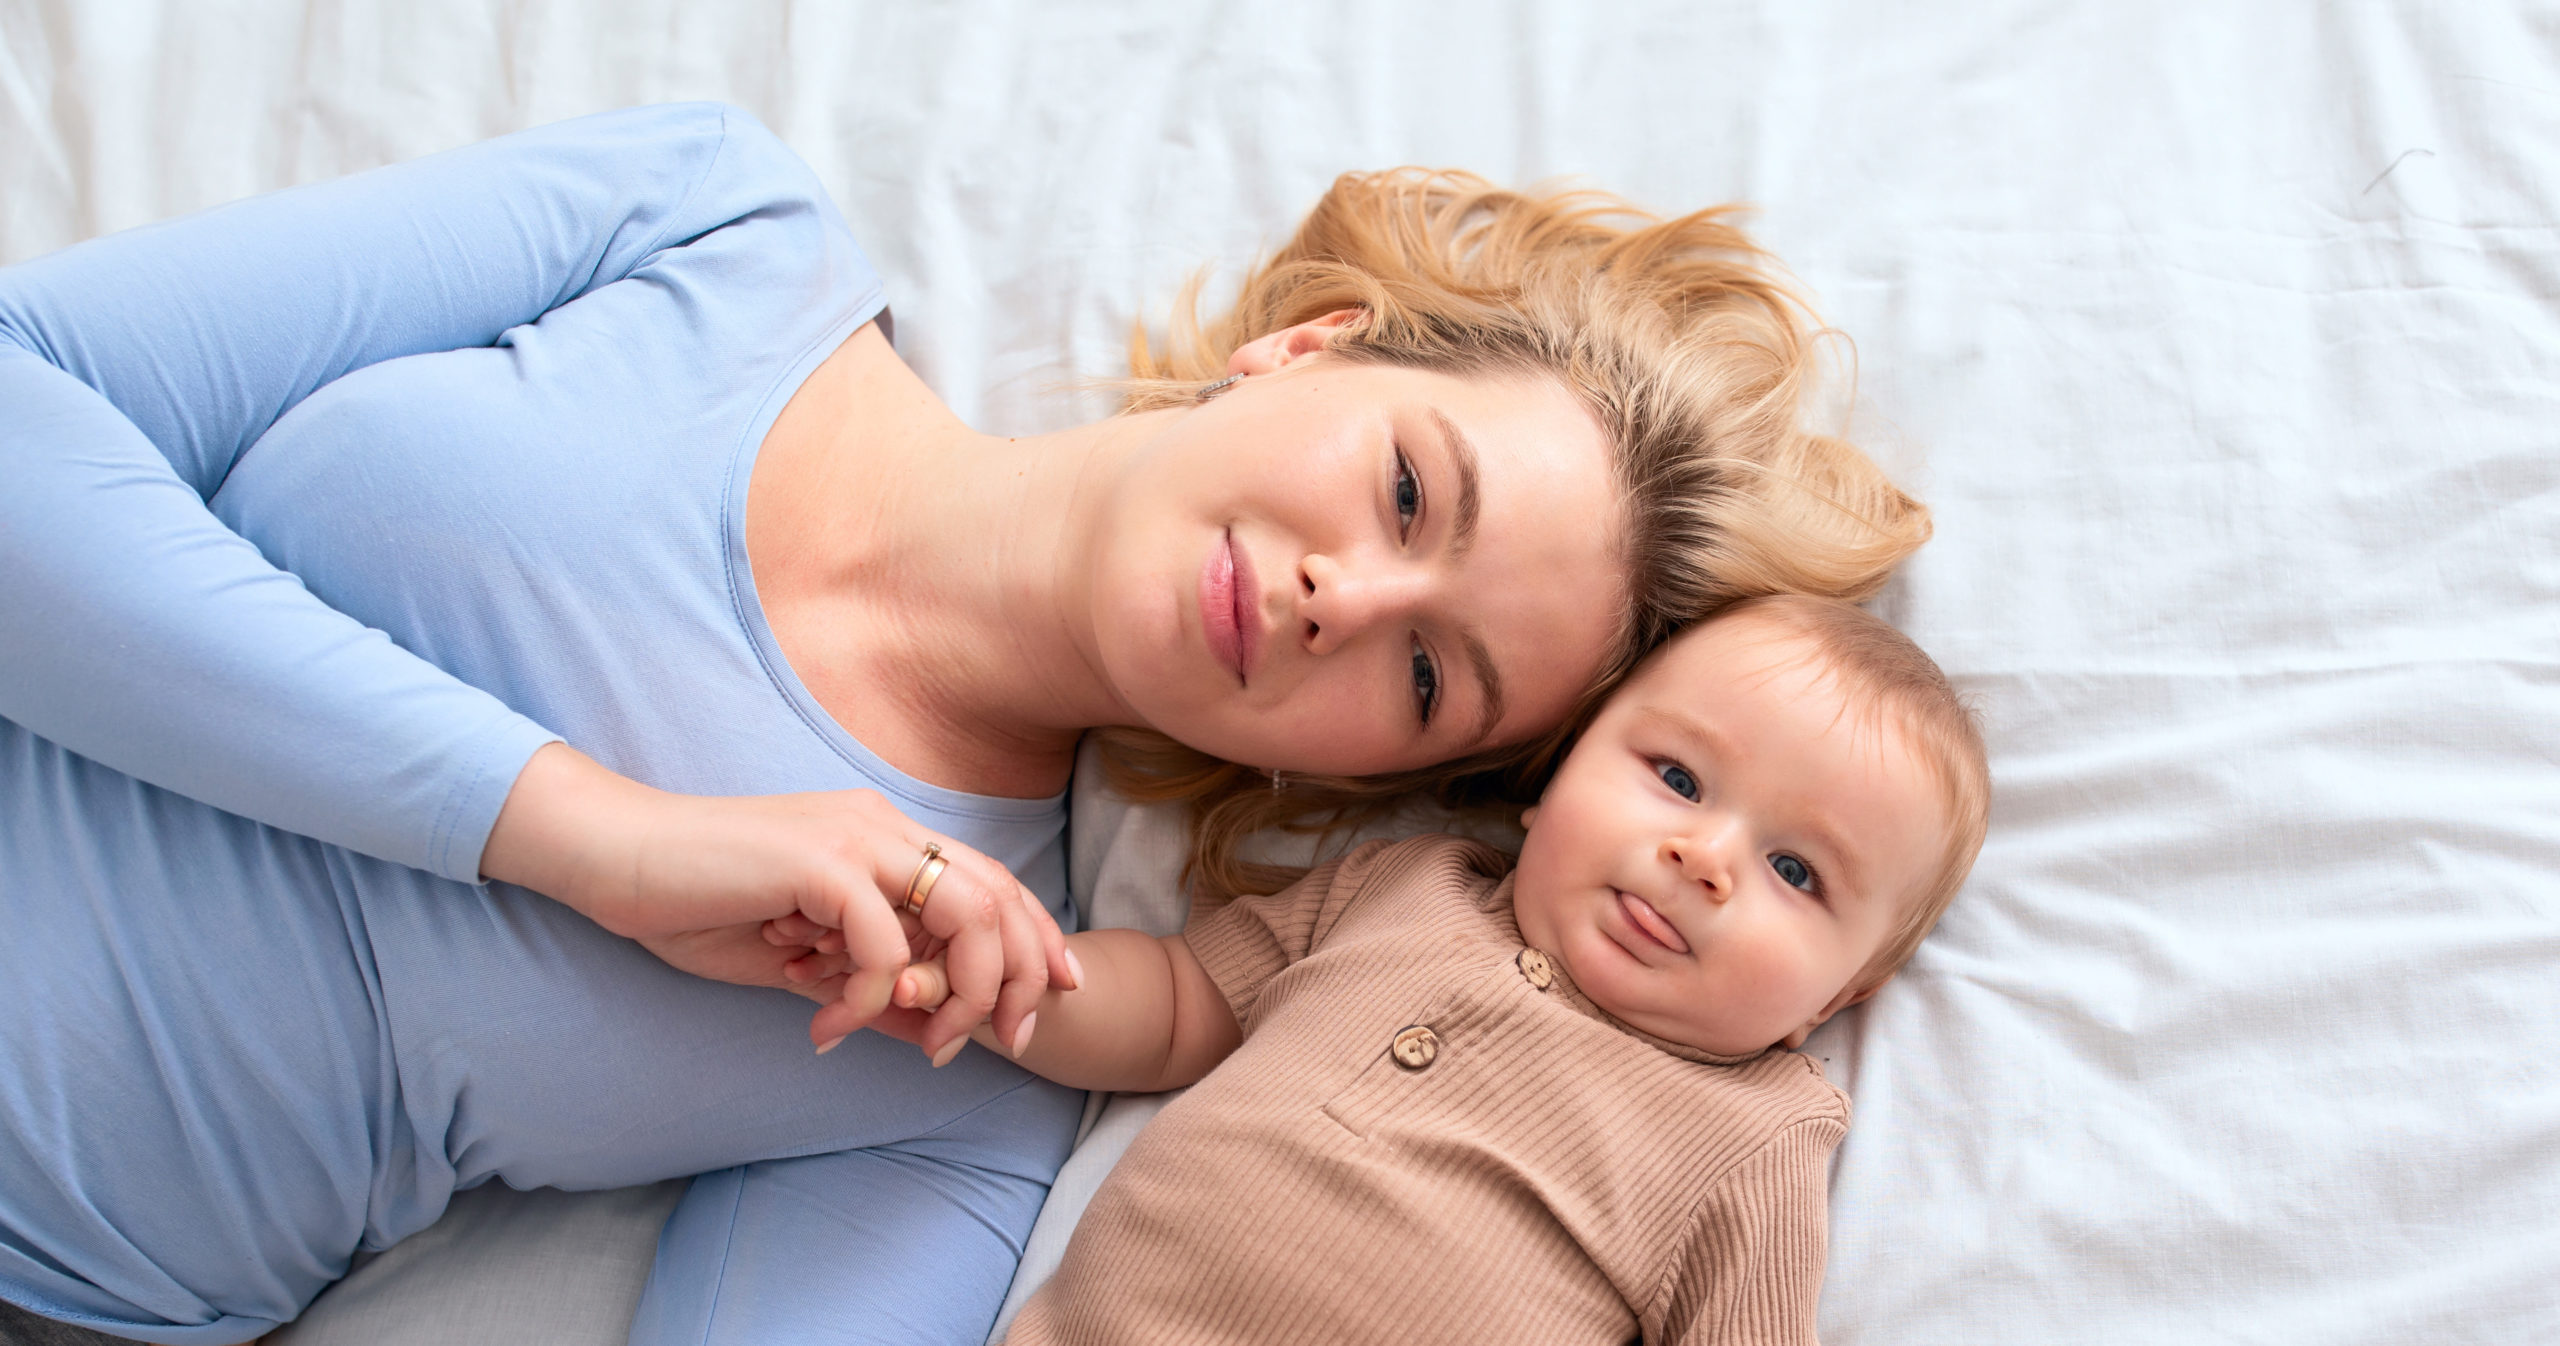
pixel 1729 844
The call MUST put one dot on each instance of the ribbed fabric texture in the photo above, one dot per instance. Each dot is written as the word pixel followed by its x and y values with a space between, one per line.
pixel 1547 1175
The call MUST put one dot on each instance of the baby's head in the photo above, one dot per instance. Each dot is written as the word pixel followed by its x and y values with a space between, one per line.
pixel 1758 828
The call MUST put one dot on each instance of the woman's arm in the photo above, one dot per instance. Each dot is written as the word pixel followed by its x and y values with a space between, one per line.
pixel 1144 1017
pixel 139 631
pixel 136 629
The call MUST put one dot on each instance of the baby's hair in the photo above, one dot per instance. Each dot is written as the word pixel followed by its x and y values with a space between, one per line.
pixel 1888 677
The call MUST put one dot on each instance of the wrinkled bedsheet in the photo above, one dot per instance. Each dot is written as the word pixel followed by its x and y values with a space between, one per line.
pixel 2224 339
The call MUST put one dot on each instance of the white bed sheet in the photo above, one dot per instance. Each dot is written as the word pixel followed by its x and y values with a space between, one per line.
pixel 2223 338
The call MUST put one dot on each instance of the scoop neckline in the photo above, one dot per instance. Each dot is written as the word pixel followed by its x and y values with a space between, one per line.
pixel 786 681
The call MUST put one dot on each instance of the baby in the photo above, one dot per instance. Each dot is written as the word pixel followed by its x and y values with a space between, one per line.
pixel 1459 1100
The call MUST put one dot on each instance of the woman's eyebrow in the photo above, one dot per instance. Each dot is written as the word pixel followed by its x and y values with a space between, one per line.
pixel 1462 525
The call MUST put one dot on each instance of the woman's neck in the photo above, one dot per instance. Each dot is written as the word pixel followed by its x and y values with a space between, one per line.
pixel 925 580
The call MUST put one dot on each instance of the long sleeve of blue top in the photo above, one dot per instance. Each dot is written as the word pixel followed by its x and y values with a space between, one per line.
pixel 319 514
pixel 139 631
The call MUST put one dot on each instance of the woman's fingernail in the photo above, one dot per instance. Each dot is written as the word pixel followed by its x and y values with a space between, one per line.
pixel 1075 970
pixel 830 1044
pixel 949 1049
pixel 1022 1035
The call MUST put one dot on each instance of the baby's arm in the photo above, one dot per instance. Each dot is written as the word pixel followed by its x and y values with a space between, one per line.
pixel 1144 1017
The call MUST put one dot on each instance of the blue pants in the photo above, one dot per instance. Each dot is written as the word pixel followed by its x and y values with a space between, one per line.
pixel 907 1243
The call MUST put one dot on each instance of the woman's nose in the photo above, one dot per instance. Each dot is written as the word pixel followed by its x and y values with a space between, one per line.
pixel 1706 854
pixel 1338 602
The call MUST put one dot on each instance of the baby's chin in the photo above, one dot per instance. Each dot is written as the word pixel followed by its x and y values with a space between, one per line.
pixel 1603 987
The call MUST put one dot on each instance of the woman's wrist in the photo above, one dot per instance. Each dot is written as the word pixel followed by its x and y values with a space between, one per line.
pixel 564 829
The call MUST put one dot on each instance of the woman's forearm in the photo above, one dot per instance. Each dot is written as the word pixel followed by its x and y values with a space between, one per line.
pixel 137 628
pixel 1146 1017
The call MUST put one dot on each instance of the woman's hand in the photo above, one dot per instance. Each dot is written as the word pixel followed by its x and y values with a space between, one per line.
pixel 695 878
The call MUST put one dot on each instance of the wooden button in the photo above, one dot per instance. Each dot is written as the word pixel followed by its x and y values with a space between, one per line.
pixel 1415 1047
pixel 1538 968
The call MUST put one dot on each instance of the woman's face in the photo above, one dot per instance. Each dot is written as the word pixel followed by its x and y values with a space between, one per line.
pixel 1346 569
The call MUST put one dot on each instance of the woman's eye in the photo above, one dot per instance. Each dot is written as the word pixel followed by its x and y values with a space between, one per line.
pixel 1796 872
pixel 1426 683
pixel 1408 496
pixel 1678 778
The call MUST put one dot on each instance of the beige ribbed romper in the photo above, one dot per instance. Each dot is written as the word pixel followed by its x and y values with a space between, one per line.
pixel 1430 1136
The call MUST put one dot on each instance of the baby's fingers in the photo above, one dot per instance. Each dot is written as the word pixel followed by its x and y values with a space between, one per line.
pixel 799 930
pixel 921 986
pixel 809 968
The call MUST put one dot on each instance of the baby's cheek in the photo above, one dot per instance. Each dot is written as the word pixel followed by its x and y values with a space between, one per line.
pixel 1779 983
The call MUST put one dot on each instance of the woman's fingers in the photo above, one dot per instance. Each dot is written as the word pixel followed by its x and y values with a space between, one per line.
pixel 906 1025
pixel 814 887
pixel 875 943
pixel 1053 941
pixel 1002 950
pixel 879 938
pixel 1028 963
pixel 965 910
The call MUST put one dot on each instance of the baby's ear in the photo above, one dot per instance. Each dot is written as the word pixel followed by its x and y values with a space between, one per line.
pixel 1843 1001
pixel 1528 817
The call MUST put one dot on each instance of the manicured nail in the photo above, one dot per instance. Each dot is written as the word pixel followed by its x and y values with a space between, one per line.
pixel 830 1044
pixel 1075 971
pixel 949 1049
pixel 1022 1035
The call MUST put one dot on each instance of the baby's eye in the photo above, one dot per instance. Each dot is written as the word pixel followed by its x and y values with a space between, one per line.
pixel 1796 872
pixel 1678 778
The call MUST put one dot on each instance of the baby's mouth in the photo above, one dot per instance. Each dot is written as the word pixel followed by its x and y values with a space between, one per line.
pixel 1643 917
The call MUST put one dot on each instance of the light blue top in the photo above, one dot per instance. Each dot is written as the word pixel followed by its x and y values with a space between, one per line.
pixel 323 511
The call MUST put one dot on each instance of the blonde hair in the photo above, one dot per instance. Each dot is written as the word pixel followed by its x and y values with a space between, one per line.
pixel 1888 675
pixel 1683 339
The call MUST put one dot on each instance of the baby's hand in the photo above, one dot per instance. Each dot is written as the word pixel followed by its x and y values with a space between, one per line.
pixel 922 985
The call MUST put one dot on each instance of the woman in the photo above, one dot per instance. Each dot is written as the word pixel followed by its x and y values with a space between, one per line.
pixel 340 515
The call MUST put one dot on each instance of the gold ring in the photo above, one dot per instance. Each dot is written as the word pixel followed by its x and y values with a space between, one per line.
pixel 928 873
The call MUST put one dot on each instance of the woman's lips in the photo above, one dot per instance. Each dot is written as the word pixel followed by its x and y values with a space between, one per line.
pixel 1226 610
pixel 1645 919
pixel 1246 594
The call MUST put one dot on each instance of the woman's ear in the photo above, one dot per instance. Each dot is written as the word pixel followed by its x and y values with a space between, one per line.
pixel 1274 351
pixel 1843 1001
